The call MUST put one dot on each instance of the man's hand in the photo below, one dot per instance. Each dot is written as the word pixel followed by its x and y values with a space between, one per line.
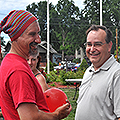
pixel 63 111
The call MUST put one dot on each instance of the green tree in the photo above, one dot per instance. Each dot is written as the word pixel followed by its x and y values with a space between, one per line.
pixel 111 14
pixel 66 30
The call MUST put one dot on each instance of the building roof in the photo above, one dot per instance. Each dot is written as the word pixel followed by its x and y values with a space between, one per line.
pixel 43 47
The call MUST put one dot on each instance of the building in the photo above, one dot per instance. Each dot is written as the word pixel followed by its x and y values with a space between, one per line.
pixel 79 54
pixel 54 55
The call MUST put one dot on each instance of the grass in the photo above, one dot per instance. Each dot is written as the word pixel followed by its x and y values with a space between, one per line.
pixel 70 94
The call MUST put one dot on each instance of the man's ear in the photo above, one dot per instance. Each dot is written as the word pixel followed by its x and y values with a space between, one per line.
pixel 110 46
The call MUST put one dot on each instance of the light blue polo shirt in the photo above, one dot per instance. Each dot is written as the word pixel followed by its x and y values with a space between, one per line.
pixel 99 93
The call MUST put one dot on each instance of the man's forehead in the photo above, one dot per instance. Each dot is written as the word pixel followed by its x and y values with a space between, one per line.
pixel 98 32
pixel 34 27
pixel 92 31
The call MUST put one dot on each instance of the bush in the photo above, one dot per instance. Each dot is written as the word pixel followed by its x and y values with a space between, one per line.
pixel 54 76
pixel 61 77
pixel 76 60
pixel 83 65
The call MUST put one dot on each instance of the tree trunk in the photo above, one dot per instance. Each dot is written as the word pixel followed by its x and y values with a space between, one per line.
pixel 63 52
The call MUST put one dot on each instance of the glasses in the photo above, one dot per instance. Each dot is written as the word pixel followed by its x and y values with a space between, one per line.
pixel 96 44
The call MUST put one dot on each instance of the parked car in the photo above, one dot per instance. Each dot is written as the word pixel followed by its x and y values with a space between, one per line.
pixel 69 66
pixel 58 67
pixel 64 62
pixel 63 66
pixel 75 67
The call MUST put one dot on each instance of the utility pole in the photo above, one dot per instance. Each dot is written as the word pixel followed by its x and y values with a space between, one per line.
pixel 100 12
pixel 48 66
pixel 116 46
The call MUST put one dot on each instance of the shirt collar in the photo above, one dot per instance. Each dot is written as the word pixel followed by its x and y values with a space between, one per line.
pixel 106 65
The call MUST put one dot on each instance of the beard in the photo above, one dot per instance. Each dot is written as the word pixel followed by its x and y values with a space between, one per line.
pixel 33 48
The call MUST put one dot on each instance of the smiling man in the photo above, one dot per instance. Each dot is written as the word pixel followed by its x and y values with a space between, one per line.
pixel 99 93
pixel 21 95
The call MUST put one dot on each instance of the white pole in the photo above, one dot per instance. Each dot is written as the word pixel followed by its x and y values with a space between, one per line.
pixel 48 37
pixel 100 12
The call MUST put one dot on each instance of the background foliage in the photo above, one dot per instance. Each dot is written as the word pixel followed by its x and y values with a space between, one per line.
pixel 61 75
pixel 68 23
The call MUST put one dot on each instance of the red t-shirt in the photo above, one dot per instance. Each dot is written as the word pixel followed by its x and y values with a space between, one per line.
pixel 18 85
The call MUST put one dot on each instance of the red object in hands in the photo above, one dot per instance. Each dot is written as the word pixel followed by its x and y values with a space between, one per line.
pixel 55 98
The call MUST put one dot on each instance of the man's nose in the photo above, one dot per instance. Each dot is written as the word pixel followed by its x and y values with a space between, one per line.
pixel 38 39
pixel 92 48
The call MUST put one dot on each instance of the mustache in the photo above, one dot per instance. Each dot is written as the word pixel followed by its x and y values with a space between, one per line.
pixel 33 43
pixel 33 48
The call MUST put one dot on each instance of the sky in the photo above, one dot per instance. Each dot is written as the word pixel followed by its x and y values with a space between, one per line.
pixel 8 5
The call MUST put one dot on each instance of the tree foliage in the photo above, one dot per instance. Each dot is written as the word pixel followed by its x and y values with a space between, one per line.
pixel 68 23
pixel 67 33
pixel 110 13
